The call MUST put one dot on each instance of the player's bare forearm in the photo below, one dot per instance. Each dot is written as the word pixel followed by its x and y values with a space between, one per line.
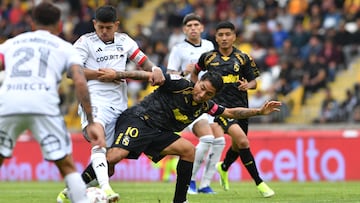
pixel 252 84
pixel 241 113
pixel 147 65
pixel 135 75
pixel 157 76
pixel 82 91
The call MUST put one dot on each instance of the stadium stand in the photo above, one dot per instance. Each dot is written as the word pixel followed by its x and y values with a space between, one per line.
pixel 305 27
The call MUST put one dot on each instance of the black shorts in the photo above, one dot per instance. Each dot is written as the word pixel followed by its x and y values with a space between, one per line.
pixel 225 123
pixel 133 134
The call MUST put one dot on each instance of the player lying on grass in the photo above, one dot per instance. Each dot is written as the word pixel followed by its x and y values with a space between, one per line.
pixel 149 127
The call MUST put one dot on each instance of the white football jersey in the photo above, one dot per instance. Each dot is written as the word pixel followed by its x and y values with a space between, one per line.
pixel 34 65
pixel 97 54
pixel 185 53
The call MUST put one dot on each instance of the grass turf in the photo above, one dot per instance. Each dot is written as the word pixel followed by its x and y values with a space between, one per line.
pixel 158 192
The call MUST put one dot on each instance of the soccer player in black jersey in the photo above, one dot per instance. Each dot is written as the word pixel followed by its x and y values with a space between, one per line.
pixel 150 127
pixel 239 72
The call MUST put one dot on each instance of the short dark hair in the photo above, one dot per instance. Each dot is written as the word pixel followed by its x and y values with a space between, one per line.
pixel 190 17
pixel 106 14
pixel 225 24
pixel 214 78
pixel 46 14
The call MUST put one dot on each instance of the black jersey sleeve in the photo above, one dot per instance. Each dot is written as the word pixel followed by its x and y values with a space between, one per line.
pixel 205 59
pixel 254 67
pixel 174 82
pixel 200 65
pixel 215 109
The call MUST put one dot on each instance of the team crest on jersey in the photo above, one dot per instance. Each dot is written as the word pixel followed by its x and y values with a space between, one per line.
pixel 126 140
pixel 119 47
pixel 236 67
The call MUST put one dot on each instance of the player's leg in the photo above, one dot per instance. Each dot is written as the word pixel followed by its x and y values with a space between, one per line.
pixel 105 119
pixel 242 143
pixel 75 186
pixel 186 152
pixel 213 158
pixel 11 127
pixel 202 130
pixel 113 156
pixel 56 146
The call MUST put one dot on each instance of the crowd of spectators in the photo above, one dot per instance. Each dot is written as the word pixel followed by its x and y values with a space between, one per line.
pixel 294 42
pixel 348 110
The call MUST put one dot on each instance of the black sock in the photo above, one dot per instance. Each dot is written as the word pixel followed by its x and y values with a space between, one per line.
pixel 184 171
pixel 230 158
pixel 89 174
pixel 249 162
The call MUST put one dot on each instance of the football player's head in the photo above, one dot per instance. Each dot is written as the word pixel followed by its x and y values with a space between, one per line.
pixel 192 27
pixel 106 23
pixel 225 34
pixel 207 87
pixel 47 15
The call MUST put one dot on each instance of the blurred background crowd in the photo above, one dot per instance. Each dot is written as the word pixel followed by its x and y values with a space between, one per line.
pixel 307 50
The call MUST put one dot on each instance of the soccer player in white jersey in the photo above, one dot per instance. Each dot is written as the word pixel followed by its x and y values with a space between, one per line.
pixel 34 63
pixel 104 52
pixel 182 59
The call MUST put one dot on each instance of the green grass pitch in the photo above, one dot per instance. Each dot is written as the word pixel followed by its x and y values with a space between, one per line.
pixel 161 192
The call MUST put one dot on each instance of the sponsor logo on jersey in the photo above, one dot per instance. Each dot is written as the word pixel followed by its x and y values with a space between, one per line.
pixel 109 57
pixel 27 87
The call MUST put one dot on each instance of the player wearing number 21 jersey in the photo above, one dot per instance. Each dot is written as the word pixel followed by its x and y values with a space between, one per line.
pixel 34 64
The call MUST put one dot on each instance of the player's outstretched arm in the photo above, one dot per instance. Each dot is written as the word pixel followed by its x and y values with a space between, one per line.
pixel 135 75
pixel 240 112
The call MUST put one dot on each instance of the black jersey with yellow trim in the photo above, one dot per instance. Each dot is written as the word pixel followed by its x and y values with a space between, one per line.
pixel 171 106
pixel 234 67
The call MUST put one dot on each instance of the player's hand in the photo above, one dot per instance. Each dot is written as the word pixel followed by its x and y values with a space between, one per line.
pixel 189 69
pixel 157 77
pixel 269 107
pixel 96 134
pixel 243 84
pixel 106 75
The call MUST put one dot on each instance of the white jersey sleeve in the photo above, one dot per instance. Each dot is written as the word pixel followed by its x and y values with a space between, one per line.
pixel 34 65
pixel 174 62
pixel 185 53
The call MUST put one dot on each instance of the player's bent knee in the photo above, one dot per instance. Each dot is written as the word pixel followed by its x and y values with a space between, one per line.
pixel 114 155
pixel 188 153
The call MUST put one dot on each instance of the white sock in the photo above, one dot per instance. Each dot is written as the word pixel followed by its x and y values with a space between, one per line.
pixel 100 166
pixel 76 188
pixel 214 157
pixel 202 149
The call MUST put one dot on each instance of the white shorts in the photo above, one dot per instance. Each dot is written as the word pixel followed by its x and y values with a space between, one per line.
pixel 106 116
pixel 49 131
pixel 204 116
